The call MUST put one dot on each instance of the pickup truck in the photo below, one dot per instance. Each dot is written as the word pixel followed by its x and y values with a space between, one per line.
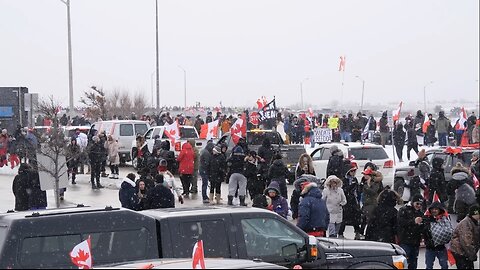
pixel 44 239
pixel 186 132
pixel 290 152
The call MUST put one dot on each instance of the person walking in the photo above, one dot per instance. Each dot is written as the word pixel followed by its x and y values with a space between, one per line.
pixel 437 233
pixel 384 129
pixel 72 156
pixel 412 142
pixel 255 184
pixel 113 158
pixel 399 140
pixel 204 169
pixel 186 160
pixel 465 241
pixel 410 228
pixel 313 216
pixel 335 199
pixel 371 186
pixel 437 183
pixel 237 181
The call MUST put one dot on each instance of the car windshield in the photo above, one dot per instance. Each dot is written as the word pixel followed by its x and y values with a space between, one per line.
pixel 256 138
pixel 366 153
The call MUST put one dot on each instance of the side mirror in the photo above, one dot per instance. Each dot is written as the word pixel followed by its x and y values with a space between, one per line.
pixel 290 251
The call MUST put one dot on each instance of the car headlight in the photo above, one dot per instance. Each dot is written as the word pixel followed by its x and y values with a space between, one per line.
pixel 400 262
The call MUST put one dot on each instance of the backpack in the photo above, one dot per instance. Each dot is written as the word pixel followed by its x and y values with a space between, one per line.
pixel 441 231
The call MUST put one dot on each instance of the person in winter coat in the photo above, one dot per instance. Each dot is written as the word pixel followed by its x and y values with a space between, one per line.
pixel 412 142
pixel 442 125
pixel 430 134
pixel 20 188
pixel 96 155
pixel 437 183
pixel 464 192
pixel 142 191
pixel 418 126
pixel 410 228
pixel 169 156
pixel 352 214
pixel 371 186
pixel 437 233
pixel 72 156
pixel 313 216
pixel 279 204
pixel 218 170
pixel 113 158
pixel 127 193
pixel 383 224
pixel 37 197
pixel 279 172
pixel 196 165
pixel 384 129
pixel 265 155
pixel 3 148
pixel 475 164
pixel 237 181
pixel 169 180
pixel 465 241
pixel 335 198
pixel 305 166
pixel 160 196
pixel 297 191
pixel 255 184
pixel 204 169
pixel 13 152
pixel 335 163
pixel 186 160
pixel 399 140
pixel 423 165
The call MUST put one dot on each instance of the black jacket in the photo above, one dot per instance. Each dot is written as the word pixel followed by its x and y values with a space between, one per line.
pixel 236 163
pixel 38 197
pixel 278 170
pixel 383 226
pixel 206 158
pixel 437 181
pixel 384 125
pixel 409 233
pixel 411 137
pixel 160 197
pixel 399 136
pixel 96 152
pixel 19 188
pixel 218 168
pixel 335 166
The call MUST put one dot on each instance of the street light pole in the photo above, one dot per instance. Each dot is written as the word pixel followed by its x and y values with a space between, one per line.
pixel 425 96
pixel 70 69
pixel 301 90
pixel 151 84
pixel 157 55
pixel 184 87
pixel 363 92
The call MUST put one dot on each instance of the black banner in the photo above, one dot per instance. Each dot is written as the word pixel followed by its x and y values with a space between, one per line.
pixel 268 111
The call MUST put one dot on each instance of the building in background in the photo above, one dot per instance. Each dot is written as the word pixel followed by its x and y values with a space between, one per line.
pixel 16 107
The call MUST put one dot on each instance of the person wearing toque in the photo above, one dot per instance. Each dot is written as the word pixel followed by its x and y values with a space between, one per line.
pixel 465 241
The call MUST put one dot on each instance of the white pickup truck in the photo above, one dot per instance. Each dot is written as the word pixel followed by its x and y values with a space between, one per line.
pixel 186 132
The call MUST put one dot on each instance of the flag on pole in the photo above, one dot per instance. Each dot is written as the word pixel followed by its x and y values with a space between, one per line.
pixel 462 118
pixel 396 113
pixel 198 257
pixel 435 199
pixel 342 63
pixel 365 129
pixel 239 129
pixel 81 255
pixel 426 123
pixel 172 131
pixel 209 130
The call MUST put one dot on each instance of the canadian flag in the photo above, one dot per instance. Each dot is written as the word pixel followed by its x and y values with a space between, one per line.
pixel 462 118
pixel 310 112
pixel 342 63
pixel 239 129
pixel 476 183
pixel 81 255
pixel 426 123
pixel 198 257
pixel 209 130
pixel 435 199
pixel 396 113
pixel 172 131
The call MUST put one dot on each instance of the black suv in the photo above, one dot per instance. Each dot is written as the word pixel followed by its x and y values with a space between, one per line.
pixel 45 239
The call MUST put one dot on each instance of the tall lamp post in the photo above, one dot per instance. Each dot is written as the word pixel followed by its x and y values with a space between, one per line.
pixel 157 56
pixel 363 92
pixel 301 90
pixel 184 87
pixel 425 96
pixel 70 69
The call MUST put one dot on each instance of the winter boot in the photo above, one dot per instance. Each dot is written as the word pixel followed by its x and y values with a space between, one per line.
pixel 93 185
pixel 242 201
pixel 99 185
pixel 218 199
pixel 230 200
pixel 210 198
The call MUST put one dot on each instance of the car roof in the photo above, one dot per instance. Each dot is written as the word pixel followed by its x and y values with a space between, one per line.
pixel 195 211
pixel 122 121
pixel 350 145
pixel 210 263
pixel 75 127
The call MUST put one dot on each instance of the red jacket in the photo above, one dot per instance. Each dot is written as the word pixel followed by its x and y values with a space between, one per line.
pixel 186 159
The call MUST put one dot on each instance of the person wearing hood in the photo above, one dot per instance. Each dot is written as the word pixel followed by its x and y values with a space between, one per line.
pixel 418 126
pixel 296 193
pixel 196 165
pixel 382 227
pixel 279 204
pixel 255 184
pixel 465 241
pixel 96 155
pixel 169 156
pixel 437 183
pixel 128 194
pixel 399 140
pixel 237 181
pixel 410 228
pixel 335 199
pixel 464 193
pixel 72 157
pixel 218 171
pixel 20 188
pixel 335 163
pixel 186 160
pixel 204 169
pixel 169 180
pixel 305 166
pixel 265 154
pixel 475 164
pixel 371 185
pixel 352 213
pixel 442 125
pixel 37 197
pixel 279 172
pixel 412 141
pixel 437 233
pixel 423 165
pixel 313 216
pixel 384 129
pixel 160 196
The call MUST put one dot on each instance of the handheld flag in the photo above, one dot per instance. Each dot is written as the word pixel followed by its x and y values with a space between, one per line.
pixel 462 118
pixel 172 131
pixel 342 63
pixel 81 255
pixel 198 257
pixel 396 113
pixel 239 129
pixel 435 199
pixel 476 183
pixel 209 130
pixel 365 130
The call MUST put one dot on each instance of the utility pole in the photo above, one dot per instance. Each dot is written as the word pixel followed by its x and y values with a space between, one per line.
pixel 156 39
pixel 70 69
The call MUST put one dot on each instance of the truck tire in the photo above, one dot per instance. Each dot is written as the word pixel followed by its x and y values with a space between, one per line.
pixel 371 265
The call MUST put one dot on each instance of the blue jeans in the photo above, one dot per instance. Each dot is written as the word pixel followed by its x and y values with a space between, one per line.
pixel 346 136
pixel 412 255
pixel 204 185
pixel 442 139
pixel 442 256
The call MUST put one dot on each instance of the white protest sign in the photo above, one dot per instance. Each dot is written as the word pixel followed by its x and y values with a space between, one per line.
pixel 47 181
pixel 322 135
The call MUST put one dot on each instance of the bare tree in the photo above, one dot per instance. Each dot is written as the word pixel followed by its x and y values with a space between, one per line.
pixel 95 101
pixel 113 101
pixel 140 104
pixel 125 103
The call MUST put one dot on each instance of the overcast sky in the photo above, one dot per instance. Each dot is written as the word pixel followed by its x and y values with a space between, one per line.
pixel 237 51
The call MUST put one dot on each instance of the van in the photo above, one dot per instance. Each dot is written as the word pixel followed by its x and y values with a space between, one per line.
pixel 122 130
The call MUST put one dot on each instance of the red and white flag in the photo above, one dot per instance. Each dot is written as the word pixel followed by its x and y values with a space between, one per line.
pixel 396 113
pixel 81 255
pixel 435 199
pixel 426 123
pixel 476 183
pixel 342 63
pixel 172 131
pixel 310 112
pixel 198 257
pixel 209 130
pixel 239 129
pixel 462 118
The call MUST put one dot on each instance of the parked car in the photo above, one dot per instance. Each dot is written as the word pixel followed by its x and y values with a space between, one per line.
pixel 44 239
pixel 358 153
pixel 124 131
pixel 210 263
